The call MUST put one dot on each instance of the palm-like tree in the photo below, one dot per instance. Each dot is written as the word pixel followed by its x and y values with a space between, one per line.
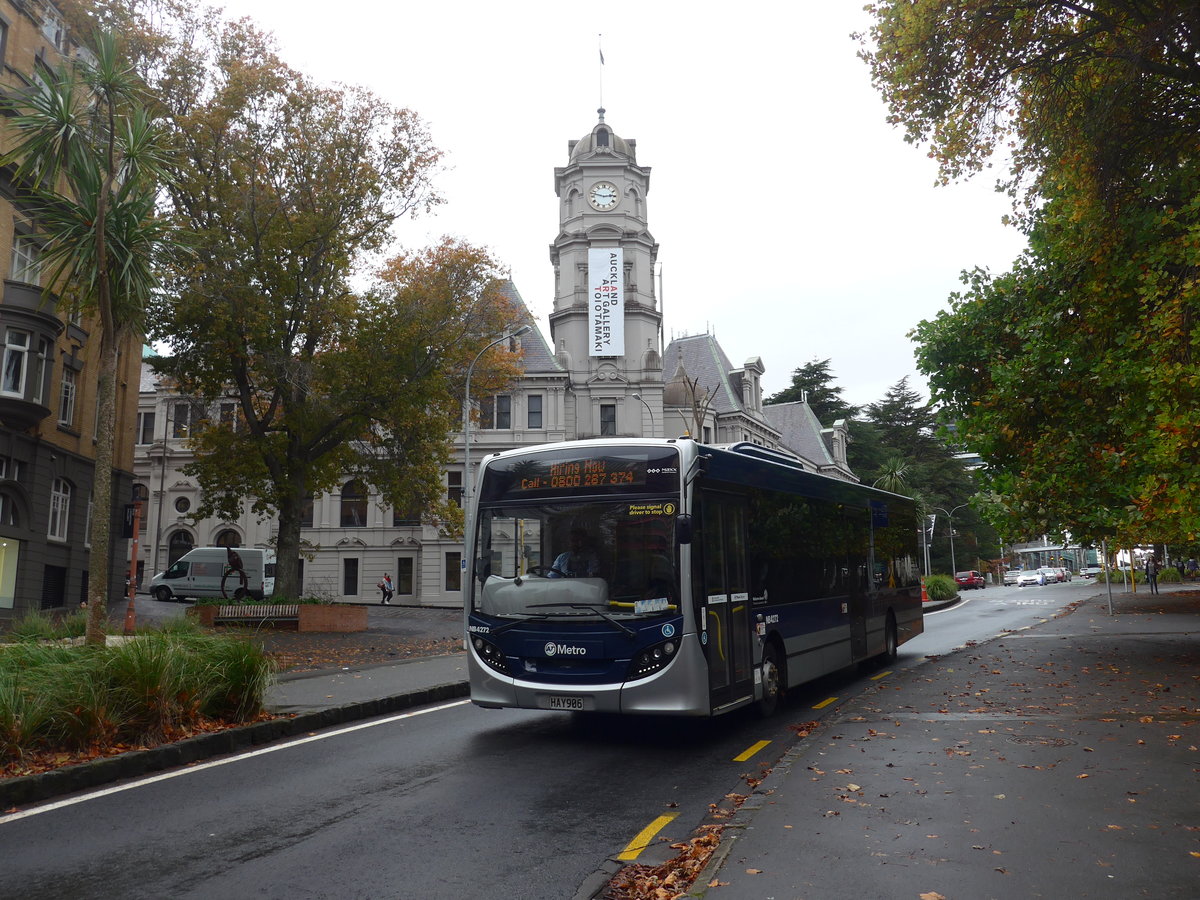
pixel 88 164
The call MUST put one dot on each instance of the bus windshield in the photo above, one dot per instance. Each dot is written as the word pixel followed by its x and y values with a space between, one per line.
pixel 607 559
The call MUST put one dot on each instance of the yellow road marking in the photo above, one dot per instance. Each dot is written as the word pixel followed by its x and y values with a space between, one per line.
pixel 750 751
pixel 825 703
pixel 881 675
pixel 634 848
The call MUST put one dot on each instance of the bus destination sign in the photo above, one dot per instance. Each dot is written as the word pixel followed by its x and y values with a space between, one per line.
pixel 644 470
pixel 584 474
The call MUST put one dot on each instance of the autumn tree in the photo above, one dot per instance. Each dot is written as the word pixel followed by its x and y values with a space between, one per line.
pixel 89 162
pixel 1074 374
pixel 288 190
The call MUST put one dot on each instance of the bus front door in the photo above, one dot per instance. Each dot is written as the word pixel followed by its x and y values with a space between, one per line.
pixel 724 599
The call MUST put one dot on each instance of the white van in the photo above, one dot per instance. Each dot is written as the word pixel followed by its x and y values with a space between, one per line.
pixel 205 572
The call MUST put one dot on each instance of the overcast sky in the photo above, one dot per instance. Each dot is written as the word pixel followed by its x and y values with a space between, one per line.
pixel 792 221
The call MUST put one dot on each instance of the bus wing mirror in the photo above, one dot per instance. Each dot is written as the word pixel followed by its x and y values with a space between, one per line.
pixel 683 529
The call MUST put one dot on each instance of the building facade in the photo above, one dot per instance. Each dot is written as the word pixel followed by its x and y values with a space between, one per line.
pixel 600 374
pixel 48 390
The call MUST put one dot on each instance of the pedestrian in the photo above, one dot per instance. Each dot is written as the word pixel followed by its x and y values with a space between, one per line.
pixel 385 588
pixel 1152 573
pixel 1191 568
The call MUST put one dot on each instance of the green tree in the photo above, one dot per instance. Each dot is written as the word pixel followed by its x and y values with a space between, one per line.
pixel 1074 374
pixel 89 164
pixel 813 381
pixel 288 190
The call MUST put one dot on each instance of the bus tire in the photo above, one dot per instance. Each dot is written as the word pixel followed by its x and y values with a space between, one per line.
pixel 772 681
pixel 891 642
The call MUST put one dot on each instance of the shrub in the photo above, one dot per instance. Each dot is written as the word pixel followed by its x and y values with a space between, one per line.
pixel 55 697
pixel 38 626
pixel 940 587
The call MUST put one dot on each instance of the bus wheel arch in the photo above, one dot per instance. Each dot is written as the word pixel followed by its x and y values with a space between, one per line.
pixel 774 676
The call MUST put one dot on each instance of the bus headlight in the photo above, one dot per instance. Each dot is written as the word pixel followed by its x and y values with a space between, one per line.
pixel 652 659
pixel 489 653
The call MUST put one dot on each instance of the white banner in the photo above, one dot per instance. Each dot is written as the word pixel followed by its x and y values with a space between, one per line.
pixel 606 305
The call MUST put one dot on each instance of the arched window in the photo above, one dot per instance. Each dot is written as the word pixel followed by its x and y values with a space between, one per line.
pixel 179 544
pixel 354 504
pixel 228 538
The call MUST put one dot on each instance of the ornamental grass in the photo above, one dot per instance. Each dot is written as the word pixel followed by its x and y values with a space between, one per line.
pixel 154 687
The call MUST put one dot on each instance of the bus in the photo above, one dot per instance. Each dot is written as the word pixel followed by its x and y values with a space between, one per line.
pixel 670 577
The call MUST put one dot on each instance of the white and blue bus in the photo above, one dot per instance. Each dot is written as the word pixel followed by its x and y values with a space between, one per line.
pixel 671 577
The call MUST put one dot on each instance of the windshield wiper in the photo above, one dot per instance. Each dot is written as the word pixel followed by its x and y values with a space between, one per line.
pixel 500 629
pixel 629 632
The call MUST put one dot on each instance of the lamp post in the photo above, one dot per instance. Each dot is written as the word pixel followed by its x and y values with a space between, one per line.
pixel 468 488
pixel 649 411
pixel 950 517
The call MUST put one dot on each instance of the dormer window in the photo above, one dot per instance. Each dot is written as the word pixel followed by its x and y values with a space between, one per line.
pixel 602 137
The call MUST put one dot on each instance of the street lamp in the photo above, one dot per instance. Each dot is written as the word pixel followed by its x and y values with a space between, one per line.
pixel 649 411
pixel 950 517
pixel 467 486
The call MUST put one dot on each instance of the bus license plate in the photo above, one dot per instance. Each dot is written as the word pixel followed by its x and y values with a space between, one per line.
pixel 571 703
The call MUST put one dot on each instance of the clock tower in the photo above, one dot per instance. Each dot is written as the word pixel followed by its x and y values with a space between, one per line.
pixel 606 325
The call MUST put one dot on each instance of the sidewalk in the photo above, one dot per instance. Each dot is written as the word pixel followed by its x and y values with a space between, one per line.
pixel 1056 761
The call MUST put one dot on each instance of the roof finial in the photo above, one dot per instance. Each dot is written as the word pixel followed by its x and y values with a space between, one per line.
pixel 600 112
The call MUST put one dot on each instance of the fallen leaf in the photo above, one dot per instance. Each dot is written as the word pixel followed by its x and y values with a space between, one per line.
pixel 754 871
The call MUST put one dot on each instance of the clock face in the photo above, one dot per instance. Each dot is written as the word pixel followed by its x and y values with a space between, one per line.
pixel 603 195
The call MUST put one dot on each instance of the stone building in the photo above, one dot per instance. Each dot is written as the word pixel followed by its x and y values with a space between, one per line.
pixel 600 374
pixel 48 391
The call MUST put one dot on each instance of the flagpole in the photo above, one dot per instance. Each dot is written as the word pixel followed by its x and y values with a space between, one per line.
pixel 600 47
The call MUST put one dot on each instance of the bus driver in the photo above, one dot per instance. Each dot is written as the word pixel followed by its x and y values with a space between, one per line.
pixel 578 561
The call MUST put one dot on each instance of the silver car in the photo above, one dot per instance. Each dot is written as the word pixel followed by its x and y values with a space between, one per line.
pixel 1031 576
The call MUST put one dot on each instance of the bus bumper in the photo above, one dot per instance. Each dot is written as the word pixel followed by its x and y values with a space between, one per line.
pixel 679 689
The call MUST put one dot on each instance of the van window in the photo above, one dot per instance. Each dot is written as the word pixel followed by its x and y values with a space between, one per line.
pixel 269 570
pixel 178 570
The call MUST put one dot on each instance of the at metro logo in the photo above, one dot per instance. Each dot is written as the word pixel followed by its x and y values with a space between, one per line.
pixel 553 649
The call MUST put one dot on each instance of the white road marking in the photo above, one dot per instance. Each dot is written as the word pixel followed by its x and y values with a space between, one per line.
pixel 200 767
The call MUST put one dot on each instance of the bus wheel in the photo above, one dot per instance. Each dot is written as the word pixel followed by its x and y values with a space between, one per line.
pixel 890 643
pixel 772 681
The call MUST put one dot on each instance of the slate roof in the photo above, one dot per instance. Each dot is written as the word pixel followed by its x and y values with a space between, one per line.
pixel 705 361
pixel 800 430
pixel 538 359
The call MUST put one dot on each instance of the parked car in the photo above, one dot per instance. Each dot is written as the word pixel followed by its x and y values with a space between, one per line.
pixel 1031 576
pixel 968 580
pixel 1011 576
pixel 1067 574
pixel 1090 571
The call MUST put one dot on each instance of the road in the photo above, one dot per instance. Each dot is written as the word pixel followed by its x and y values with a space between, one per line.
pixel 447 802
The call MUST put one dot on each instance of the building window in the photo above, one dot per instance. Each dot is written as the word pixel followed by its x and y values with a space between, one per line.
pixel 707 434
pixel 404 576
pixel 534 404
pixel 186 416
pixel 306 511
pixel 354 504
pixel 26 260
pixel 41 371
pixel 16 347
pixel 454 571
pixel 66 400
pixel 496 412
pixel 228 538
pixel 145 428
pixel 179 544
pixel 87 523
pixel 406 517
pixel 454 488
pixel 608 419
pixel 228 414
pixel 350 577
pixel 182 505
pixel 8 510
pixel 60 509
